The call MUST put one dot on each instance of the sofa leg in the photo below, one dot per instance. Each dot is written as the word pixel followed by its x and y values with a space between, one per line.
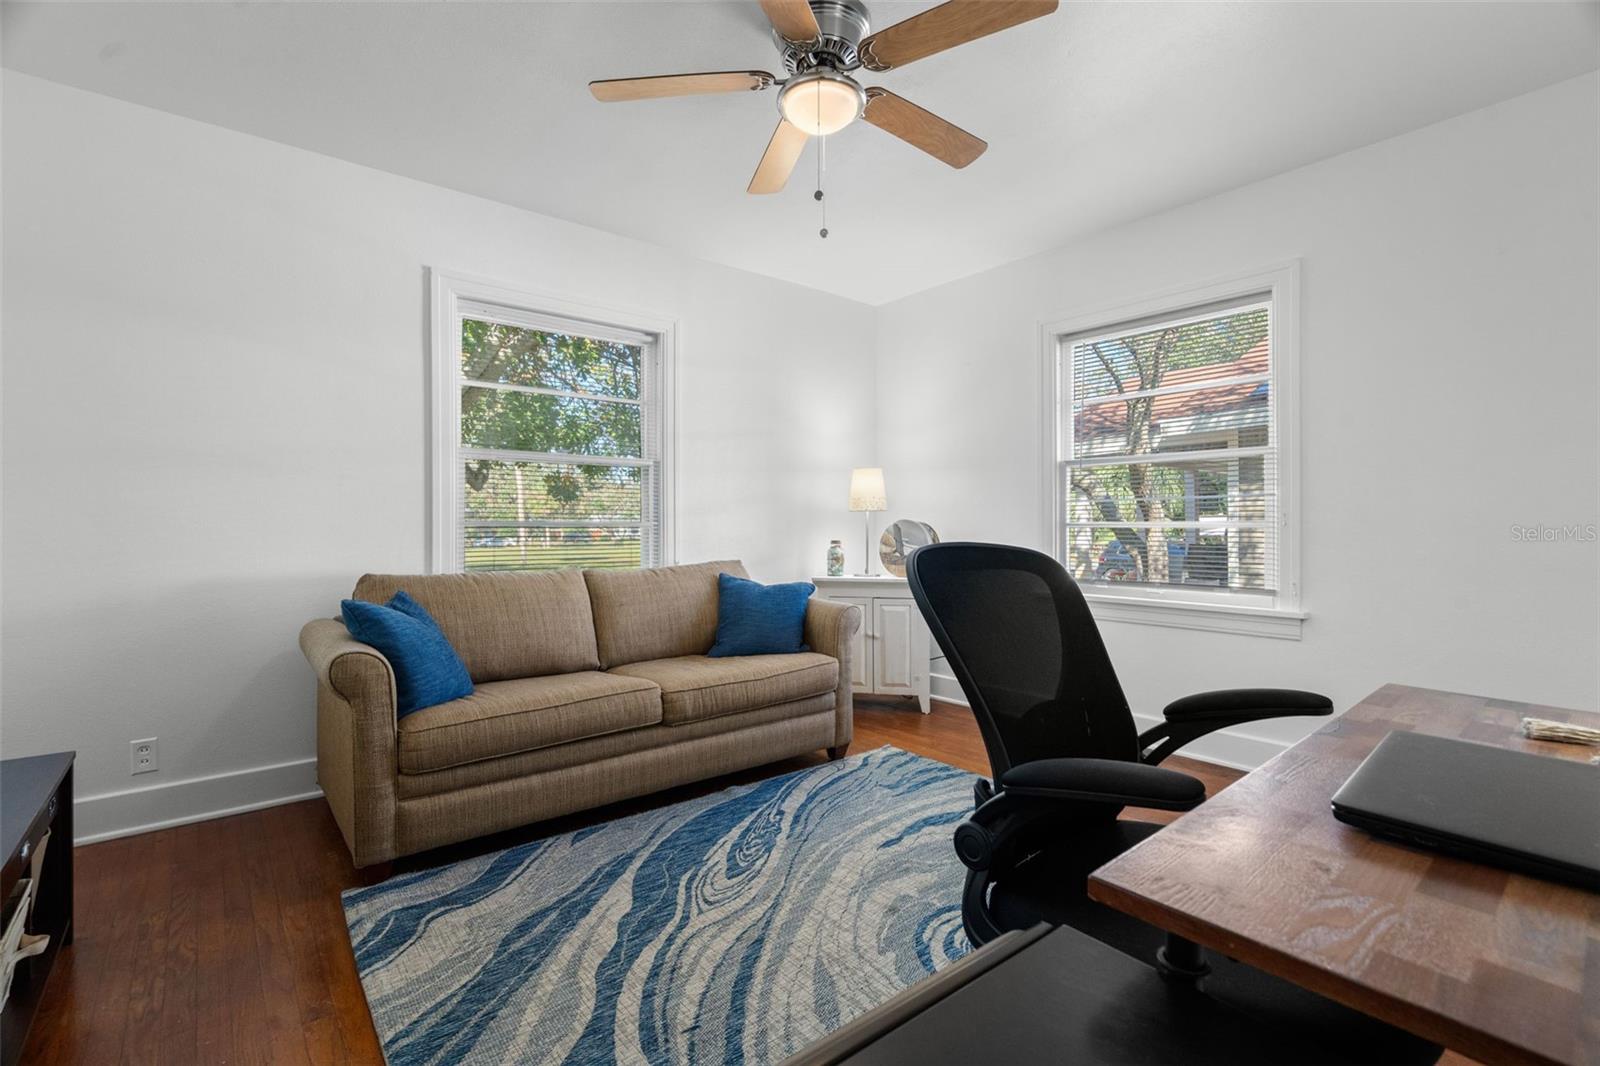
pixel 835 754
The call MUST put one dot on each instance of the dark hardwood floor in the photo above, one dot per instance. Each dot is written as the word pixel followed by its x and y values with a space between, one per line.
pixel 224 941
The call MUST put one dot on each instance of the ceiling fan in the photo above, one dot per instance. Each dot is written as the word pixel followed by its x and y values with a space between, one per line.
pixel 822 42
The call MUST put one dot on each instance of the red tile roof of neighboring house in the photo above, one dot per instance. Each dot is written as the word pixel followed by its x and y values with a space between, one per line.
pixel 1103 418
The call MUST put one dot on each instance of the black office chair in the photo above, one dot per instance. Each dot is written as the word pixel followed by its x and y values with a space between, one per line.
pixel 1066 758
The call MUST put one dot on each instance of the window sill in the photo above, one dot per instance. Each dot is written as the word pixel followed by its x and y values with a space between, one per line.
pixel 1277 622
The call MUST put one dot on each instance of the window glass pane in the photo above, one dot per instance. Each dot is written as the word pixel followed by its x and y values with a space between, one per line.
pixel 540 516
pixel 1228 416
pixel 518 492
pixel 1211 491
pixel 512 355
pixel 1225 346
pixel 1200 522
pixel 535 422
pixel 1215 557
pixel 611 548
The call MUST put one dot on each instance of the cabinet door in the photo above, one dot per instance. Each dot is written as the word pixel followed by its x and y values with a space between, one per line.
pixel 860 647
pixel 897 634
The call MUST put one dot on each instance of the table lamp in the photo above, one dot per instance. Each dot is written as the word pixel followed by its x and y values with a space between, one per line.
pixel 867 494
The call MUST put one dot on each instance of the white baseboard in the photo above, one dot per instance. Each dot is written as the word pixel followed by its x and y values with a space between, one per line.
pixel 1230 747
pixel 945 689
pixel 142 810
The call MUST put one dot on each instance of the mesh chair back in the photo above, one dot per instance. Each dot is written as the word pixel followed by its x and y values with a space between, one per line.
pixel 1023 646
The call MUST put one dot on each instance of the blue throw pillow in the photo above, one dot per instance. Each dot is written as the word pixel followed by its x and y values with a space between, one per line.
pixel 427 669
pixel 757 619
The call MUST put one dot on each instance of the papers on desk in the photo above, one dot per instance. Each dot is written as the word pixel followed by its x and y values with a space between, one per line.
pixel 1561 732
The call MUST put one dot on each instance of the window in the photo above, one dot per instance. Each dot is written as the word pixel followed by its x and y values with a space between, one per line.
pixel 1171 458
pixel 549 434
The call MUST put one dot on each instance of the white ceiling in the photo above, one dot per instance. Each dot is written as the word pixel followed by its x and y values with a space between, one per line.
pixel 1094 115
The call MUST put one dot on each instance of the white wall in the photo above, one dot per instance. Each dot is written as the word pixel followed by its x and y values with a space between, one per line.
pixel 215 419
pixel 1449 390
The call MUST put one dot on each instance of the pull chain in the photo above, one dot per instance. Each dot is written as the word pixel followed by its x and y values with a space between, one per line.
pixel 822 164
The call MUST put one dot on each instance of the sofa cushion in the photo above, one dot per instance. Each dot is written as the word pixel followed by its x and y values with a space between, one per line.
pixel 599 750
pixel 506 717
pixel 694 687
pixel 655 614
pixel 503 625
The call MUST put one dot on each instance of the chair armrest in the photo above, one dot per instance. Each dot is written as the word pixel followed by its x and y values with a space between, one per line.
pixel 1247 704
pixel 829 625
pixel 1104 781
pixel 357 672
pixel 1206 712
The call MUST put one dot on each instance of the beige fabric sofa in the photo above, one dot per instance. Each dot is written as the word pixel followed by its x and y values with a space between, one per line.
pixel 591 686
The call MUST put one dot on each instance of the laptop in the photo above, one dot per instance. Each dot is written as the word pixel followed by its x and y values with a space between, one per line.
pixel 1534 814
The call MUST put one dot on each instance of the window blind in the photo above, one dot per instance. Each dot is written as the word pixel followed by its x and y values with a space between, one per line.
pixel 560 443
pixel 1168 458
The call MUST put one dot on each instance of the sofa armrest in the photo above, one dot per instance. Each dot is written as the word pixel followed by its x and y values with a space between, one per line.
pixel 828 629
pixel 357 672
pixel 356 738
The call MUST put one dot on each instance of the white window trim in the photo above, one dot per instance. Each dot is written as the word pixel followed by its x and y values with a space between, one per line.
pixel 1187 608
pixel 449 290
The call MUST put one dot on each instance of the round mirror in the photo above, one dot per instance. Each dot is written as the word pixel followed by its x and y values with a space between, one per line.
pixel 900 540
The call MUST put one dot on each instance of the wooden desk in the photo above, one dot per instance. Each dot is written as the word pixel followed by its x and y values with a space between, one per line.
pixel 1496 965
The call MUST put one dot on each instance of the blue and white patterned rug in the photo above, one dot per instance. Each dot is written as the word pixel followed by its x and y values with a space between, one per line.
pixel 733 928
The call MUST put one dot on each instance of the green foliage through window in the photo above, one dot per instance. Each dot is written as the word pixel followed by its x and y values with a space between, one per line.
pixel 560 497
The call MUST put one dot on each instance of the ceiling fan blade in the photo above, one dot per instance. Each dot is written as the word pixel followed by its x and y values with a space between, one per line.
pixel 792 19
pixel 783 151
pixel 922 129
pixel 946 26
pixel 614 90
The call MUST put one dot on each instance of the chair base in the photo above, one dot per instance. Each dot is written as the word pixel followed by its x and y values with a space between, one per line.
pixel 1181 960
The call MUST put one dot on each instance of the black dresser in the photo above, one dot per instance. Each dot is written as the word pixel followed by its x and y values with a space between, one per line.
pixel 35 799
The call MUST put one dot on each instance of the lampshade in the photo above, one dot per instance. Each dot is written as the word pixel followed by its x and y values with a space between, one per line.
pixel 821 102
pixel 866 489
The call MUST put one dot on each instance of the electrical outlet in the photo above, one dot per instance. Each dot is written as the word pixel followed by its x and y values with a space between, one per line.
pixel 144 756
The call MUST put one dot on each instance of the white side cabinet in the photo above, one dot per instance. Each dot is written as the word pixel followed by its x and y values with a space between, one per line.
pixel 891 652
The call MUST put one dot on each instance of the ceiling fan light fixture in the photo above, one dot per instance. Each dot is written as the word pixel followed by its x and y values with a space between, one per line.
pixel 821 102
pixel 821 43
